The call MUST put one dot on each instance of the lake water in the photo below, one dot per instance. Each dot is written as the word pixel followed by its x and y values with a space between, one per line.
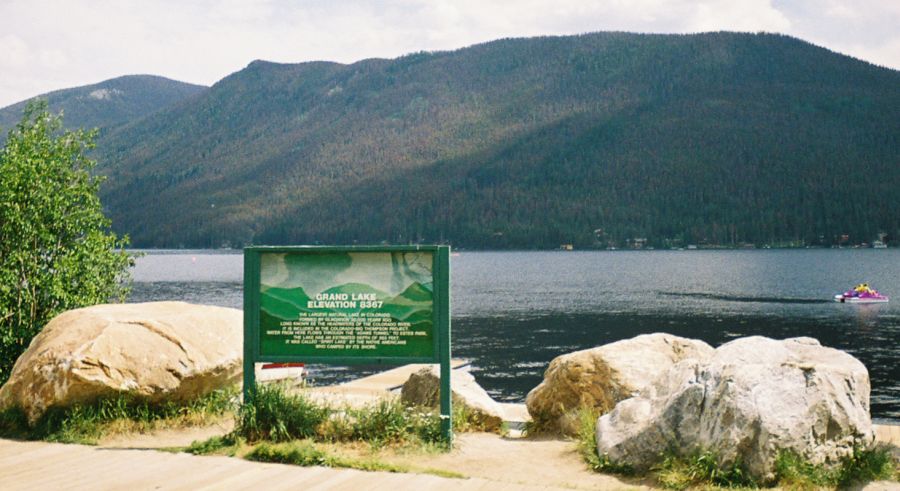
pixel 513 312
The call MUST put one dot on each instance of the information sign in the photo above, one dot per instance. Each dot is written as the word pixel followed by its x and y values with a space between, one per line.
pixel 348 305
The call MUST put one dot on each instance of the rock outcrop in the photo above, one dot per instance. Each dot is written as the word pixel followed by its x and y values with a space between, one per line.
pixel 752 399
pixel 423 389
pixel 159 351
pixel 601 377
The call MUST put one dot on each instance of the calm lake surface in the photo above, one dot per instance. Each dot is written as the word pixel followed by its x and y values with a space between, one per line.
pixel 513 312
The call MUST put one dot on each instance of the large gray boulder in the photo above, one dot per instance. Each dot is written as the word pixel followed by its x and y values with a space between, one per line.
pixel 158 351
pixel 601 377
pixel 423 389
pixel 753 398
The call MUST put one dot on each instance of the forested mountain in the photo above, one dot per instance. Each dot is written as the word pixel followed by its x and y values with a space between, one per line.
pixel 717 138
pixel 107 104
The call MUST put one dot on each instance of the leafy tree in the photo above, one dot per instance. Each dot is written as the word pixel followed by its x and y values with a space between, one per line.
pixel 56 248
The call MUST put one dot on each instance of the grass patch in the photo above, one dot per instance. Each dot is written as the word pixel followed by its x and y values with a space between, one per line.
pixel 304 453
pixel 307 453
pixel 88 423
pixel 876 464
pixel 296 453
pixel 794 472
pixel 272 415
pixel 698 469
pixel 217 445
pixel 701 469
pixel 443 473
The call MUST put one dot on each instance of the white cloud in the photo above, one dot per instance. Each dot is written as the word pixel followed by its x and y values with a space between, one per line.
pixel 885 54
pixel 757 15
pixel 53 44
pixel 13 52
pixel 841 10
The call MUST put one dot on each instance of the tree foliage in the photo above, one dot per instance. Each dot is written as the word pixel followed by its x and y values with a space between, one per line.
pixel 56 248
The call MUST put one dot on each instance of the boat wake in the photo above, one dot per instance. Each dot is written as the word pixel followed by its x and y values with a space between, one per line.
pixel 743 298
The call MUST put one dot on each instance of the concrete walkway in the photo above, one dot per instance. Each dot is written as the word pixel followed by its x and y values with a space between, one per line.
pixel 38 465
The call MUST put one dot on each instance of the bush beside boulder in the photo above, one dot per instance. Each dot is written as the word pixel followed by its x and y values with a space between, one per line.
pixel 754 398
pixel 598 378
pixel 158 351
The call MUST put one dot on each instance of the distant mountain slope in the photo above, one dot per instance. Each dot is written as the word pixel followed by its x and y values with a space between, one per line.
pixel 712 138
pixel 109 103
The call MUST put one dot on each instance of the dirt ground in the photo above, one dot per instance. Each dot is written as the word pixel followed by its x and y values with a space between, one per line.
pixel 542 462
pixel 169 438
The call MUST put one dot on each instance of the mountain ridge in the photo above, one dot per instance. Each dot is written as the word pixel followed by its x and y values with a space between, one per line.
pixel 594 140
pixel 107 104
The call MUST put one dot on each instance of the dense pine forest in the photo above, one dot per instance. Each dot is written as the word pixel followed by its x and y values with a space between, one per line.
pixel 593 140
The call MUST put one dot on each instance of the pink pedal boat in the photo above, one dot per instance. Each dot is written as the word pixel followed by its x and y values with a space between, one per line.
pixel 861 294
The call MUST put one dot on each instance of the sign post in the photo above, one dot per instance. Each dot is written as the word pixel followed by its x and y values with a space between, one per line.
pixel 349 305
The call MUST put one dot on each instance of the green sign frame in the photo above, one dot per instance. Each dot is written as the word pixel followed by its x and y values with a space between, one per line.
pixel 258 347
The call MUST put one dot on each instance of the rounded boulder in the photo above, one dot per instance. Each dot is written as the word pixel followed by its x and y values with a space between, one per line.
pixel 598 378
pixel 754 398
pixel 158 351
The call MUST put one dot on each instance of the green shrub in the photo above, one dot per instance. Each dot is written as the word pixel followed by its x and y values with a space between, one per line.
pixel 57 251
pixel 382 423
pixel 586 442
pixel 586 439
pixel 271 414
pixel 867 465
pixel 14 423
pixel 426 425
pixel 339 427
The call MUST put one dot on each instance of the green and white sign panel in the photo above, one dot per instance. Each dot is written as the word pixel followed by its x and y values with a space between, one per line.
pixel 348 305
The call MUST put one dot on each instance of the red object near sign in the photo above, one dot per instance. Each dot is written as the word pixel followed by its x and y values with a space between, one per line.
pixel 282 365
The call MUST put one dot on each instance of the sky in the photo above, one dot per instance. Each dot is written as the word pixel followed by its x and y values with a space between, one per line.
pixel 47 45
